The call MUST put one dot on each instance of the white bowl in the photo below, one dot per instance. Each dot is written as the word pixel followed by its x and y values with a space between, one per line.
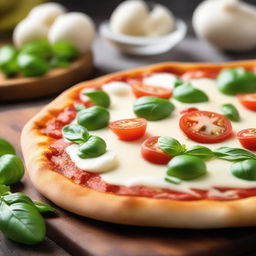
pixel 145 45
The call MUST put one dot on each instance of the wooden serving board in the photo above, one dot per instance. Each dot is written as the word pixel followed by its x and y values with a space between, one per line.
pixel 83 236
pixel 56 80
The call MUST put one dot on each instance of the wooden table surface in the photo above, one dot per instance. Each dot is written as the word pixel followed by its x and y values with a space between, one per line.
pixel 107 60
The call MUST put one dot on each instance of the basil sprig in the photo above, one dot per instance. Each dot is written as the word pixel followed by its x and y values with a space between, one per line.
pixel 186 93
pixel 75 133
pixel 245 169
pixel 153 108
pixel 6 147
pixel 171 146
pixel 99 98
pixel 233 154
pixel 200 151
pixel 4 189
pixel 230 111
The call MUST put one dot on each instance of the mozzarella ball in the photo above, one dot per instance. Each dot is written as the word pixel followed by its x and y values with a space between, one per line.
pixel 75 27
pixel 27 31
pixel 47 12
pixel 129 17
pixel 227 24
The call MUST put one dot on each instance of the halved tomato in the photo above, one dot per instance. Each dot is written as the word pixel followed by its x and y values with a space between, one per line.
pixel 247 138
pixel 248 100
pixel 141 90
pixel 186 110
pixel 153 153
pixel 129 129
pixel 205 126
pixel 196 74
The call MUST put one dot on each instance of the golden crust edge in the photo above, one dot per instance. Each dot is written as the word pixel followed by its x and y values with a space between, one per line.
pixel 130 210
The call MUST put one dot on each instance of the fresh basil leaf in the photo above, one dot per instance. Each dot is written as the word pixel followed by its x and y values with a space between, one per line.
pixel 11 169
pixel 230 111
pixel 17 197
pixel 75 133
pixel 186 93
pixel 153 108
pixel 99 98
pixel 186 167
pixel 4 189
pixel 200 151
pixel 79 107
pixel 245 170
pixel 93 147
pixel 233 154
pixel 43 208
pixel 21 222
pixel 171 146
pixel 6 147
pixel 172 180
pixel 178 82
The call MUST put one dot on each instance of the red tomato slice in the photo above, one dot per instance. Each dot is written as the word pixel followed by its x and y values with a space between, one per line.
pixel 247 138
pixel 141 90
pixel 205 126
pixel 129 129
pixel 186 110
pixel 248 100
pixel 152 153
pixel 196 74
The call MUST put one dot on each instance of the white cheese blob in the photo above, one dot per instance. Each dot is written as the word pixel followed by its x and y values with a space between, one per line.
pixel 103 163
pixel 117 88
pixel 165 80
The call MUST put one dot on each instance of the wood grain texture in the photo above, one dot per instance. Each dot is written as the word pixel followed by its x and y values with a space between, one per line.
pixel 54 81
pixel 82 236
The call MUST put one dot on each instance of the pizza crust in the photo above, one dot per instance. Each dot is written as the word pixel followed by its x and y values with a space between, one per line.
pixel 131 210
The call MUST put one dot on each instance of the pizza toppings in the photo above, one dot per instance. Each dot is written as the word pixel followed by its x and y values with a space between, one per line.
pixel 245 170
pixel 153 108
pixel 117 88
pixel 186 167
pixel 205 126
pixel 75 133
pixel 185 110
pixel 247 138
pixel 151 151
pixel 198 73
pixel 230 111
pixel 141 90
pixel 93 118
pixel 98 97
pixel 248 100
pixel 129 129
pixel 186 93
pixel 171 146
pixel 236 80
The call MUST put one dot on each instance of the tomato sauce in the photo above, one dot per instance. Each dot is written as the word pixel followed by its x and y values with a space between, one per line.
pixel 60 162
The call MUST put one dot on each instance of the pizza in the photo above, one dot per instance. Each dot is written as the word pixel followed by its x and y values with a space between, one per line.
pixel 168 145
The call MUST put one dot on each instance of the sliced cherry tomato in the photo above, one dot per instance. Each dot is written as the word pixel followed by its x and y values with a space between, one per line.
pixel 196 74
pixel 153 153
pixel 248 100
pixel 141 90
pixel 247 138
pixel 205 126
pixel 129 129
pixel 186 110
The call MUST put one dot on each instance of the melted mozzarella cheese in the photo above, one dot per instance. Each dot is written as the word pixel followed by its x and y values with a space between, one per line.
pixel 117 88
pixel 165 80
pixel 103 163
pixel 134 170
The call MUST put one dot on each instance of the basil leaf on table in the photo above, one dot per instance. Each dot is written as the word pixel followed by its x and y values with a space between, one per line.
pixel 99 98
pixel 43 208
pixel 18 197
pixel 233 154
pixel 171 146
pixel 245 170
pixel 75 133
pixel 93 118
pixel 6 147
pixel 200 151
pixel 230 111
pixel 11 169
pixel 21 222
pixel 153 108
pixel 93 147
pixel 186 93
pixel 4 189
pixel 236 80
